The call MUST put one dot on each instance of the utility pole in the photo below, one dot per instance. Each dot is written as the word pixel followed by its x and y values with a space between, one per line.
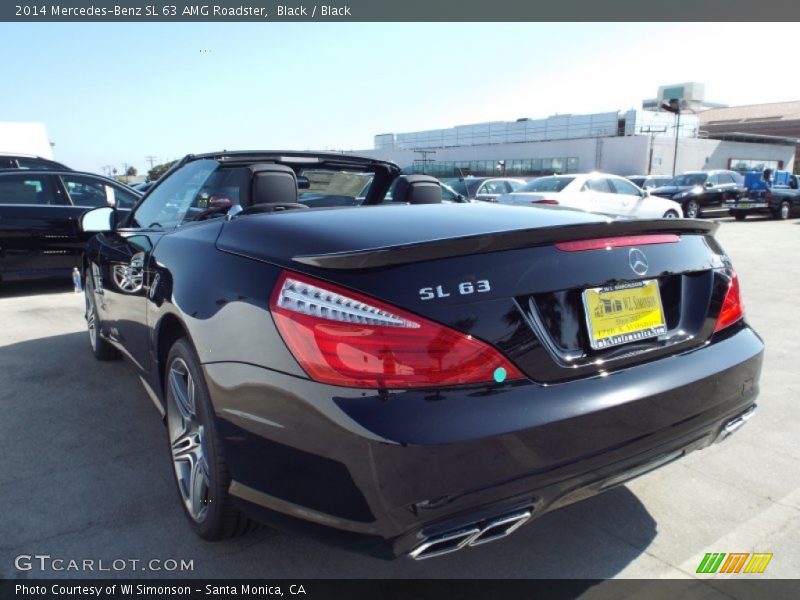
pixel 652 133
pixel 151 160
pixel 425 160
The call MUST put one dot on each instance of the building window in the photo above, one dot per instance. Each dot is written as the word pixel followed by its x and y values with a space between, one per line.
pixel 515 167
pixel 741 165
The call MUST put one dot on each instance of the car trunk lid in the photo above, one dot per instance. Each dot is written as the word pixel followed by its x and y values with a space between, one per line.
pixel 508 276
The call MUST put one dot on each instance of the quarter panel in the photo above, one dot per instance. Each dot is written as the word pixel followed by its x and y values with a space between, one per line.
pixel 221 299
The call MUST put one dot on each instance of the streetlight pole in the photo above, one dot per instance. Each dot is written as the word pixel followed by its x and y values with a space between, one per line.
pixel 674 106
pixel 677 135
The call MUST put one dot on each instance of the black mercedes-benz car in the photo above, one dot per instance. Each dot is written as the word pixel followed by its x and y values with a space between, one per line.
pixel 40 210
pixel 407 377
pixel 703 192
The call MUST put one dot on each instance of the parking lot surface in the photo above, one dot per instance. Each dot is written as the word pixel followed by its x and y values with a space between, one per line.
pixel 85 472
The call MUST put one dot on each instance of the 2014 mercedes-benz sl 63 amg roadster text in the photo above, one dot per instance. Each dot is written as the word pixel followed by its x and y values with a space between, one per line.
pixel 401 376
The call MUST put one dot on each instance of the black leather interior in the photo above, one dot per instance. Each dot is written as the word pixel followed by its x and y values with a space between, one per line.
pixel 417 189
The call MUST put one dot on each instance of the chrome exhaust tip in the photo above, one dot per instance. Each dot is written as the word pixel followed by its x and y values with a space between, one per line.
pixel 735 424
pixel 475 535
pixel 500 528
pixel 446 543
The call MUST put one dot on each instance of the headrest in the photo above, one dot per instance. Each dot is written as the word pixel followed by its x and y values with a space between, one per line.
pixel 272 184
pixel 417 189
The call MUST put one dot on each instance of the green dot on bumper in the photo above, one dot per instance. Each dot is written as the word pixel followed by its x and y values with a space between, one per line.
pixel 500 374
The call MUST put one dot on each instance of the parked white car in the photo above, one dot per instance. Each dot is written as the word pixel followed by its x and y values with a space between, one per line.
pixel 594 192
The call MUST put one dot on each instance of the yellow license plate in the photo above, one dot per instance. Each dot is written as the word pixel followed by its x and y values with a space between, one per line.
pixel 623 313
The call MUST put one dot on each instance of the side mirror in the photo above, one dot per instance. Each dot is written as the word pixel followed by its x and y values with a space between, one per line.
pixel 98 220
pixel 708 184
pixel 303 182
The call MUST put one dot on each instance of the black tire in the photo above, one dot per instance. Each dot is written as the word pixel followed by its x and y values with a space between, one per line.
pixel 671 214
pixel 784 211
pixel 691 209
pixel 739 215
pixel 217 518
pixel 101 349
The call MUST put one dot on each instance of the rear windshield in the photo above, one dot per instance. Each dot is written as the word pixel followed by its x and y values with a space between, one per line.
pixel 688 179
pixel 547 184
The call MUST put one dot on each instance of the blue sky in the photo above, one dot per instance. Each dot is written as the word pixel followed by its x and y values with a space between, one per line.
pixel 115 93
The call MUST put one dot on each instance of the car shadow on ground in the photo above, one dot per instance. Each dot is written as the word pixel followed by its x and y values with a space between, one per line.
pixel 85 474
pixel 751 219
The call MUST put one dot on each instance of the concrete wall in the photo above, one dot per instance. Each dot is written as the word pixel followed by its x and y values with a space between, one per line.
pixel 621 155
pixel 25 138
pixel 704 155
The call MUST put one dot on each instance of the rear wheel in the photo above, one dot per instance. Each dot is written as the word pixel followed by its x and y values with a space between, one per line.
pixel 784 210
pixel 691 209
pixel 671 214
pixel 101 349
pixel 201 473
pixel 739 215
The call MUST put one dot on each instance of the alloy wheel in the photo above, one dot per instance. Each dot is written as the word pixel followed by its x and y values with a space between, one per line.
pixel 692 209
pixel 187 441
pixel 91 314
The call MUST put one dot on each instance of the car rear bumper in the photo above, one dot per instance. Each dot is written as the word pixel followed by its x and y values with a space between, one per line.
pixel 748 205
pixel 384 473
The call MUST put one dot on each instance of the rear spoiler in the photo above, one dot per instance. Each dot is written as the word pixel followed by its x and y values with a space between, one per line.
pixel 499 241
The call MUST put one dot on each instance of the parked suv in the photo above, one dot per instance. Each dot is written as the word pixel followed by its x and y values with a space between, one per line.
pixel 39 214
pixel 29 161
pixel 702 192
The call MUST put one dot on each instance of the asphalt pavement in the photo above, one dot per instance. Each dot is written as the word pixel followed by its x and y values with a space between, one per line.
pixel 85 473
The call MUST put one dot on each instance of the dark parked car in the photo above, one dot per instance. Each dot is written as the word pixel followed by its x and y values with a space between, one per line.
pixel 409 378
pixel 143 186
pixel 486 189
pixel 39 218
pixel 703 192
pixel 649 182
pixel 29 161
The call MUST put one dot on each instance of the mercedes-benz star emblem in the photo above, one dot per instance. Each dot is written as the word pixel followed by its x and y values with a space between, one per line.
pixel 638 261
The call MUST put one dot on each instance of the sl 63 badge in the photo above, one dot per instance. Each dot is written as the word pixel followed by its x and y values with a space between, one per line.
pixel 465 288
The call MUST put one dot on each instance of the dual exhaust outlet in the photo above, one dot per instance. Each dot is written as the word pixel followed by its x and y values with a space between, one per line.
pixel 473 535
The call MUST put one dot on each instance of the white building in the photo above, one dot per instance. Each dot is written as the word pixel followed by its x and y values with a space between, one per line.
pixel 25 138
pixel 634 142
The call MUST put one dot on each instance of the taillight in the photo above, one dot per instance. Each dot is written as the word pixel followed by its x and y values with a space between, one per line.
pixel 545 201
pixel 732 308
pixel 617 242
pixel 344 338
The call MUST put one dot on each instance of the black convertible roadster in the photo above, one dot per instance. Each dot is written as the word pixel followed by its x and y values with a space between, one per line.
pixel 403 376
